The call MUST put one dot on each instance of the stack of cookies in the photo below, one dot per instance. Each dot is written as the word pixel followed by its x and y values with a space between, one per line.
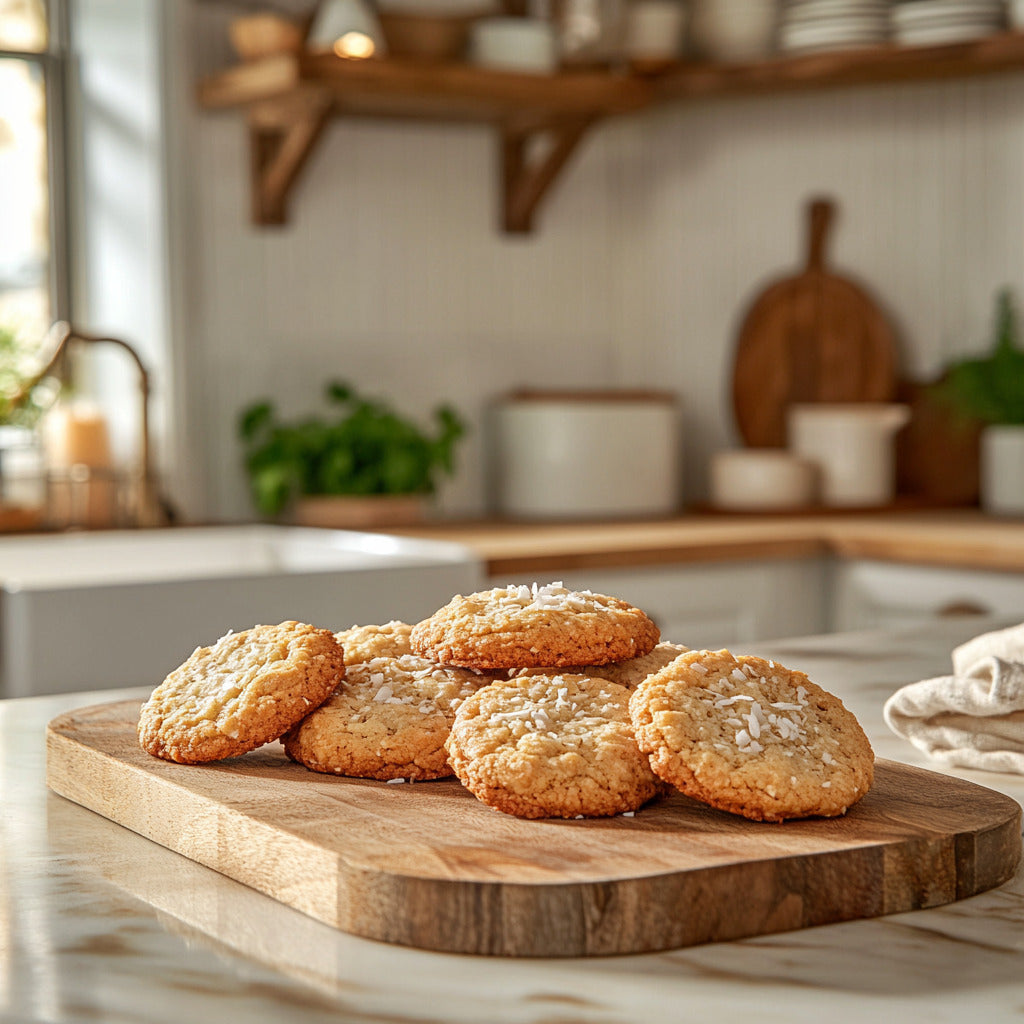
pixel 544 702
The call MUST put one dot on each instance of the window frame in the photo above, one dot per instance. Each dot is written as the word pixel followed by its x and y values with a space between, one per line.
pixel 53 65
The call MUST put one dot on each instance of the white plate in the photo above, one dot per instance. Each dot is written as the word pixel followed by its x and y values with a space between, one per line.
pixel 940 35
pixel 951 18
pixel 815 36
pixel 924 10
pixel 844 20
pixel 837 7
pixel 826 47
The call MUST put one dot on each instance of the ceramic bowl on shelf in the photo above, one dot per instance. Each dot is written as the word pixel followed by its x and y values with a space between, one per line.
pixel 514 44
pixel 426 36
pixel 733 30
pixel 654 33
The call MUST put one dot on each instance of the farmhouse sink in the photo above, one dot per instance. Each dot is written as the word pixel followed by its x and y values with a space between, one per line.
pixel 123 608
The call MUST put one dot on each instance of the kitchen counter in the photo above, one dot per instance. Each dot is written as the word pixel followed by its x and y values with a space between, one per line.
pixel 965 539
pixel 100 924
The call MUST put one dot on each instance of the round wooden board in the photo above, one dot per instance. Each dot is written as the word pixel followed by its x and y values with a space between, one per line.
pixel 814 337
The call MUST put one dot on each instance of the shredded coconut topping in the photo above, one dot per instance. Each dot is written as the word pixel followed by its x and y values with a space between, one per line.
pixel 777 722
pixel 549 595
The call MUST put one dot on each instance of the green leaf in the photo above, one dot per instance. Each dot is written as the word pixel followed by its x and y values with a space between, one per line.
pixel 254 419
pixel 339 391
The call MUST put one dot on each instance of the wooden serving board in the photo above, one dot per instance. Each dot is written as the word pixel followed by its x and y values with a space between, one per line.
pixel 812 337
pixel 428 865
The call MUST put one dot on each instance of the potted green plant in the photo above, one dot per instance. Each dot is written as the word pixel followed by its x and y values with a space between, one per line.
pixel 989 391
pixel 360 465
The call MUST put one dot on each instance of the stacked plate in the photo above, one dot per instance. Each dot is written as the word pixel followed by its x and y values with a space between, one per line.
pixel 935 22
pixel 813 25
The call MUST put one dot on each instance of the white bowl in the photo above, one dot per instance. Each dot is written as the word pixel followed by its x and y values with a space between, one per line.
pixel 762 479
pixel 514 44
pixel 733 30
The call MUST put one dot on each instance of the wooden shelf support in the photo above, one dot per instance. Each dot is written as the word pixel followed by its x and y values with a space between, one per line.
pixel 280 151
pixel 526 179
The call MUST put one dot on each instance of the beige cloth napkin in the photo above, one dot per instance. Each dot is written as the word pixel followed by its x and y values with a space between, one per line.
pixel 975 717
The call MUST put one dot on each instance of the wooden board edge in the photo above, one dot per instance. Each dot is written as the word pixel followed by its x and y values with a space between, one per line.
pixel 203 833
pixel 578 919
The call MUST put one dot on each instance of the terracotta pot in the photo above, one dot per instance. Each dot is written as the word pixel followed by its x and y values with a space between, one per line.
pixel 358 512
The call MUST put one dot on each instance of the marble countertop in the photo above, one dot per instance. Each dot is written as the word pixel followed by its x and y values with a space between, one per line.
pixel 97 923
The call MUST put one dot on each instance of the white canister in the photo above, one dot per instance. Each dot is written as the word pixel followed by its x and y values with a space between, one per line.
pixel 654 30
pixel 734 30
pixel 588 454
pixel 762 478
pixel 854 447
pixel 1002 470
pixel 514 44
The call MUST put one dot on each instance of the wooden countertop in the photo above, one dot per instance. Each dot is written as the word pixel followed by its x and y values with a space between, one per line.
pixel 962 539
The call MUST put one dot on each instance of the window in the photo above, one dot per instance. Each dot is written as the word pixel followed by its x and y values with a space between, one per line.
pixel 33 273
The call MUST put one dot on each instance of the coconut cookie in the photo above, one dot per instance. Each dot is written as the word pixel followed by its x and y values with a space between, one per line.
pixel 362 643
pixel 633 672
pixel 390 717
pixel 629 673
pixel 748 736
pixel 534 627
pixel 244 691
pixel 551 746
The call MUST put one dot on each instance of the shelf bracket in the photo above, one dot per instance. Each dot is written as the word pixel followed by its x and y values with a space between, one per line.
pixel 279 152
pixel 526 179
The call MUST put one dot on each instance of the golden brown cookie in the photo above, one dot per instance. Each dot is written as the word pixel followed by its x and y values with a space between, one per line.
pixel 551 746
pixel 749 736
pixel 633 672
pixel 244 691
pixel 533 627
pixel 362 643
pixel 390 717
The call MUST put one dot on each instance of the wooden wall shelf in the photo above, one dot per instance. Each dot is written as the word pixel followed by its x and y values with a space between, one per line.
pixel 290 98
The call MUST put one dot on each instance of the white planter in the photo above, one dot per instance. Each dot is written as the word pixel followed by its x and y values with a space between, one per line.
pixel 1002 470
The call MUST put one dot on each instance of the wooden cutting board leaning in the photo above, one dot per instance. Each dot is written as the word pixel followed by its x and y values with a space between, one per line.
pixel 428 865
pixel 812 337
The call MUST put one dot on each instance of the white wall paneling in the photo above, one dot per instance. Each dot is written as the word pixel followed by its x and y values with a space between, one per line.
pixel 393 273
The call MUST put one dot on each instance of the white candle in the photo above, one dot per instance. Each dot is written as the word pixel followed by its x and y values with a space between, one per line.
pixel 76 435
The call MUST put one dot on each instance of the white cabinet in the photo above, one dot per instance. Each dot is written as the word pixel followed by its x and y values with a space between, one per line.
pixel 872 595
pixel 712 605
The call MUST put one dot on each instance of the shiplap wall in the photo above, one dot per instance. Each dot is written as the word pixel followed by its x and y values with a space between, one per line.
pixel 392 272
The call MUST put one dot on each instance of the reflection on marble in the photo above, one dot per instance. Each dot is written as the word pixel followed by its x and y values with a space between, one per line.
pixel 98 923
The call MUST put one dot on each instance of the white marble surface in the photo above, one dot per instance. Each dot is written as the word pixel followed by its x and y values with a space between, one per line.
pixel 99 924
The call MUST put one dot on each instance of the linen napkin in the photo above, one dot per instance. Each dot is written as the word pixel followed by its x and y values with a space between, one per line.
pixel 973 718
